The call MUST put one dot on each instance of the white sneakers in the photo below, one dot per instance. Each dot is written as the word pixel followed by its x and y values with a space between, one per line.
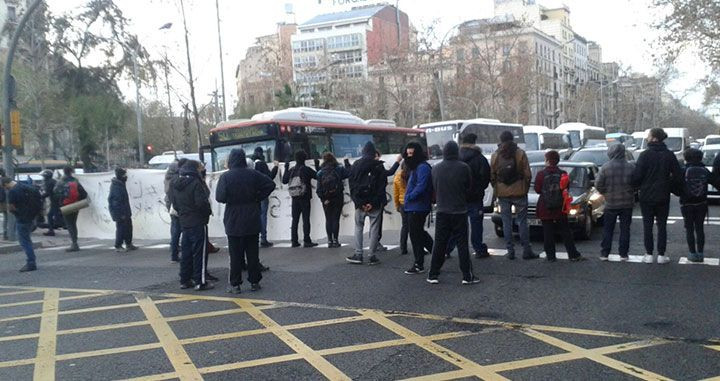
pixel 661 259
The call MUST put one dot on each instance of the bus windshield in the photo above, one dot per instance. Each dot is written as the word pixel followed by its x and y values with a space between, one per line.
pixel 220 154
pixel 437 137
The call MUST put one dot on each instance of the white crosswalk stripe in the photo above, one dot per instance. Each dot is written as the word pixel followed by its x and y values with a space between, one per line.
pixel 706 262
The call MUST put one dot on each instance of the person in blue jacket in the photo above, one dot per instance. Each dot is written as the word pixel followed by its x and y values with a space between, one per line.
pixel 119 206
pixel 418 203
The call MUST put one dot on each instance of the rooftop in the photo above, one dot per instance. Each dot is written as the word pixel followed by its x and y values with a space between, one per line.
pixel 353 14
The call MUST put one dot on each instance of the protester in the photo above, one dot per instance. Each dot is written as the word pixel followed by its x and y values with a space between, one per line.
pixel 25 202
pixel 388 173
pixel 694 203
pixel 331 190
pixel 69 191
pixel 552 185
pixel 119 206
pixel 54 215
pixel 418 203
pixel 656 174
pixel 171 174
pixel 242 189
pixel 298 179
pixel 614 183
pixel 262 167
pixel 451 179
pixel 472 155
pixel 399 188
pixel 190 198
pixel 367 190
pixel 510 176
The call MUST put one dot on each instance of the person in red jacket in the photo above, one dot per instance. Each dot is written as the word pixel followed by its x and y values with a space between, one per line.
pixel 553 206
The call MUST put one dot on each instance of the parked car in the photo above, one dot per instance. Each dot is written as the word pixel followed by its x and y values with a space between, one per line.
pixel 587 207
pixel 710 151
pixel 596 155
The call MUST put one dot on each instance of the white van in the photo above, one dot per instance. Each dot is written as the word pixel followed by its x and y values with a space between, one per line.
pixel 541 138
pixel 582 135
pixel 710 140
pixel 163 161
pixel 678 141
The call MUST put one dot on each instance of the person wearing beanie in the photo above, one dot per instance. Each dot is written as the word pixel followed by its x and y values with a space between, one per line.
pixel 120 211
pixel 298 179
pixel 694 202
pixel 262 167
pixel 613 182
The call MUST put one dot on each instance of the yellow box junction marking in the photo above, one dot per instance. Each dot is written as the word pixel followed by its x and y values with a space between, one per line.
pixel 45 359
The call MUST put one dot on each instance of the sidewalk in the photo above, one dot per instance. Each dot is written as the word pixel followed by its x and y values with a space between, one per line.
pixel 39 241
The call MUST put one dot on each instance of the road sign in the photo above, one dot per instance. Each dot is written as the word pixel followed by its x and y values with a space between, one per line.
pixel 15 127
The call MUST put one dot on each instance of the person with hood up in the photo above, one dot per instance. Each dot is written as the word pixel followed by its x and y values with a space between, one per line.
pixel 552 185
pixel 657 173
pixel 331 190
pixel 418 203
pixel 694 203
pixel 54 215
pixel 298 179
pixel 614 183
pixel 262 167
pixel 452 181
pixel 69 191
pixel 367 190
pixel 171 174
pixel 510 176
pixel 190 198
pixel 242 190
pixel 119 206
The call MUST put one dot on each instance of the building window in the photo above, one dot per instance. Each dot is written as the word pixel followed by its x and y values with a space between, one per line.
pixel 461 54
pixel 347 41
pixel 348 57
pixel 476 52
pixel 11 13
pixel 308 45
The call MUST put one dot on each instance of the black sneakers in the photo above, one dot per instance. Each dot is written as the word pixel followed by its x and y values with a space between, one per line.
pixel 211 278
pixel 433 280
pixel 414 270
pixel 530 255
pixel 234 290
pixel 373 260
pixel 185 286
pixel 266 244
pixel 469 281
pixel 28 268
pixel 204 287
pixel 295 244
pixel 356 259
pixel 131 247
pixel 255 287
pixel 309 244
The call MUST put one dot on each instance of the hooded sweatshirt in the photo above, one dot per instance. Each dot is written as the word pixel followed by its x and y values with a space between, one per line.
pixel 614 180
pixel 480 170
pixel 657 173
pixel 520 187
pixel 190 197
pixel 418 195
pixel 451 180
pixel 118 200
pixel 362 192
pixel 172 173
pixel 242 189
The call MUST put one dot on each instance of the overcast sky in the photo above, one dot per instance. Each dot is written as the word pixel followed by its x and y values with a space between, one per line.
pixel 620 26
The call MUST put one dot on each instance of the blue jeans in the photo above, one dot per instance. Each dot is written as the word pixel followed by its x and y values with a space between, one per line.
pixel 521 208
pixel 609 219
pixel 175 231
pixel 23 232
pixel 475 215
pixel 264 204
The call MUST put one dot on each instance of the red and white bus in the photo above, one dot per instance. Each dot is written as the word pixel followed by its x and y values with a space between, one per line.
pixel 281 133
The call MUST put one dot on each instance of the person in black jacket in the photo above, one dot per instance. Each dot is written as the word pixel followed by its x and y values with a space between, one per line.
pixel 331 190
pixel 262 167
pixel 242 189
pixel 53 217
pixel 190 198
pixel 656 174
pixel 299 180
pixel 69 191
pixel 694 202
pixel 119 206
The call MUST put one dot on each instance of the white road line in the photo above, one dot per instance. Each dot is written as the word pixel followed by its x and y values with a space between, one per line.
pixel 706 262
pixel 321 246
pixel 631 258
pixel 161 246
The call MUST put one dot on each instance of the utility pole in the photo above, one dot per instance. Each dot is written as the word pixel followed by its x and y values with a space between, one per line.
pixel 169 103
pixel 190 78
pixel 222 67
pixel 138 111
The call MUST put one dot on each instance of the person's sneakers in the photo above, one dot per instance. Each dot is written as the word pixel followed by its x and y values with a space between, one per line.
pixel 403 252
pixel 120 249
pixel 578 258
pixel 510 256
pixel 530 255
pixel 663 259
pixel 266 244
pixel 624 258
pixel 49 234
pixel 380 248
pixel 373 260
pixel 309 244
pixel 204 287
pixel 131 247
pixel 264 268
pixel 551 259
pixel 295 244
pixel 696 257
pixel 356 259
pixel 255 287
pixel 74 248
pixel 175 259
pixel 234 290
pixel 648 258
pixel 185 286
pixel 432 280
pixel 414 270
pixel 212 249
pixel 604 258
pixel 28 268
pixel 470 281
pixel 482 254
pixel 211 278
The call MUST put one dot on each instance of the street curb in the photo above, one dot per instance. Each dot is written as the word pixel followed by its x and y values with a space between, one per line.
pixel 16 248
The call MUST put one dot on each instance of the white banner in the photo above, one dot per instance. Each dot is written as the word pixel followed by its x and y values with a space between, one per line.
pixel 151 219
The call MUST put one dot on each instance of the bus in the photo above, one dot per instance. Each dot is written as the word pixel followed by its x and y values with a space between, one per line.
pixel 541 138
pixel 281 133
pixel 487 131
pixel 582 135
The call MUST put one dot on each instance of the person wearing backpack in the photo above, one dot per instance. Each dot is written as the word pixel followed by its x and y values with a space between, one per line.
pixel 551 184
pixel 69 191
pixel 693 202
pixel 613 182
pixel 418 204
pixel 262 167
pixel 298 179
pixel 367 190
pixel 331 190
pixel 25 202
pixel 657 173
pixel 119 206
pixel 510 176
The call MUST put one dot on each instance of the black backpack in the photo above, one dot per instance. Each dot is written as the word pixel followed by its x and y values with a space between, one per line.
pixel 330 182
pixel 366 184
pixel 551 192
pixel 696 180
pixel 33 199
pixel 507 170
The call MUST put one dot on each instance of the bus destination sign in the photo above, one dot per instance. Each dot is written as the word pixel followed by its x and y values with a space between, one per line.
pixel 240 133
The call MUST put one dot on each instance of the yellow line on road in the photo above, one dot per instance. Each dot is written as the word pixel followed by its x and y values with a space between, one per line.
pixel 432 347
pixel 45 359
pixel 108 351
pixel 155 377
pixel 254 363
pixel 24 317
pixel 390 343
pixel 4 294
pixel 311 356
pixel 180 360
pixel 19 337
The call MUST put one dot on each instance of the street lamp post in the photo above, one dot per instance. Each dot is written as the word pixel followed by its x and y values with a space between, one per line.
pixel 138 111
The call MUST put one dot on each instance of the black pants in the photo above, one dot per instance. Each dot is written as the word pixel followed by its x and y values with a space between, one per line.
pixel 403 231
pixel 123 232
pixel 553 227
pixel 244 250
pixel 54 218
pixel 71 225
pixel 194 254
pixel 694 216
pixel 300 206
pixel 655 213
pixel 420 239
pixel 333 211
pixel 446 226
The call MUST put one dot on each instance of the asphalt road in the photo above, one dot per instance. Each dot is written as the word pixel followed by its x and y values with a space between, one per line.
pixel 318 317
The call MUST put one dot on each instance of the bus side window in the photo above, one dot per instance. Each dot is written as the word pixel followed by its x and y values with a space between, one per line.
pixel 381 142
pixel 318 144
pixel 396 142
pixel 349 144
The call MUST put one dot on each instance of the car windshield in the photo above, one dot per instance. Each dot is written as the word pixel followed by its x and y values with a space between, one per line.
pixel 709 156
pixel 577 175
pixel 674 144
pixel 598 157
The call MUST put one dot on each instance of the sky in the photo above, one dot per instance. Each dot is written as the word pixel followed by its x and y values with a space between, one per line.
pixel 622 27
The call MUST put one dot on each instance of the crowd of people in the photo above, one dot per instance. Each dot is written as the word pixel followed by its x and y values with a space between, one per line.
pixel 454 188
